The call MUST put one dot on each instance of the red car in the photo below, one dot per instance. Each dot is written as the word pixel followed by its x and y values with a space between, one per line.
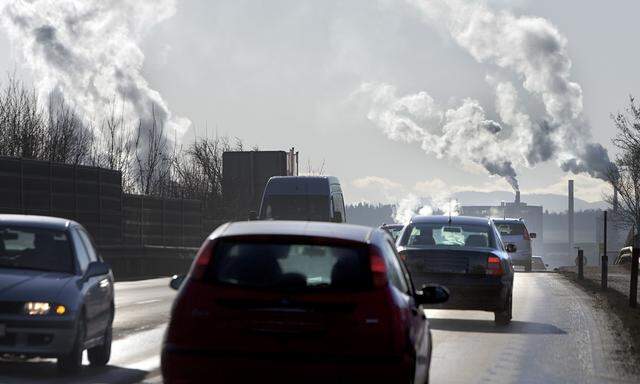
pixel 298 302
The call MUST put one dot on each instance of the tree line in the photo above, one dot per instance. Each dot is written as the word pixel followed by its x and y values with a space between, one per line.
pixel 150 163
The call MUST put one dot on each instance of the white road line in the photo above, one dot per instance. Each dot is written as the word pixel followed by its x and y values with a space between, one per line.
pixel 148 301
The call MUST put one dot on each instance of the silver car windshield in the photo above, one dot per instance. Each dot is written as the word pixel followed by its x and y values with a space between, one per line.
pixel 35 248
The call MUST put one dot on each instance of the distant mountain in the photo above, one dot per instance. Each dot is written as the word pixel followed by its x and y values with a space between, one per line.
pixel 550 202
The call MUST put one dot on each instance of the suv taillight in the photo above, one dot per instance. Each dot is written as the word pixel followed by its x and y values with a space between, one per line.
pixel 378 268
pixel 525 234
pixel 202 260
pixel 494 266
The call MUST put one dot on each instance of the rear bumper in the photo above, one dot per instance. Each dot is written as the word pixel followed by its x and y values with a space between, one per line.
pixel 483 293
pixel 37 337
pixel 195 366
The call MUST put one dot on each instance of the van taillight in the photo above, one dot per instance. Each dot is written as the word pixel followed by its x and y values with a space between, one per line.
pixel 378 268
pixel 202 260
pixel 494 266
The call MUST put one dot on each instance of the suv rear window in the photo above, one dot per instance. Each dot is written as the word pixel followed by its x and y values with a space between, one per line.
pixel 290 266
pixel 510 228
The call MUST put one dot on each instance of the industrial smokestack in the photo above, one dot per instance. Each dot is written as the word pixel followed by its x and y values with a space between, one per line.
pixel 570 217
pixel 517 197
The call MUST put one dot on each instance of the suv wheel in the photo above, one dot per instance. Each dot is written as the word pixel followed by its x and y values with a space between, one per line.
pixel 504 317
pixel 99 356
pixel 72 361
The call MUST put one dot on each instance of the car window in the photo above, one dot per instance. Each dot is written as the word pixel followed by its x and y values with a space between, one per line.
pixel 286 266
pixel 394 271
pixel 81 252
pixel 88 244
pixel 445 235
pixel 511 228
pixel 35 248
pixel 338 205
pixel 296 207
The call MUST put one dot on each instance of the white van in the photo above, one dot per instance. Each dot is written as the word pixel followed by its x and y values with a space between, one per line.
pixel 306 198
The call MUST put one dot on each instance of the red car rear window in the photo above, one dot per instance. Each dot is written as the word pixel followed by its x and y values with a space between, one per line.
pixel 290 266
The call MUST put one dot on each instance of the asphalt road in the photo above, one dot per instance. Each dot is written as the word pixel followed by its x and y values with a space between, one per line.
pixel 556 337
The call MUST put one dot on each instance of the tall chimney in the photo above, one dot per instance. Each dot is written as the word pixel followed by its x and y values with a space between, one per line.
pixel 570 217
pixel 517 197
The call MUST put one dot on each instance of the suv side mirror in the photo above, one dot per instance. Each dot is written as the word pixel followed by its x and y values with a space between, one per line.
pixel 176 281
pixel 432 294
pixel 511 248
pixel 533 235
pixel 252 216
pixel 337 217
pixel 96 268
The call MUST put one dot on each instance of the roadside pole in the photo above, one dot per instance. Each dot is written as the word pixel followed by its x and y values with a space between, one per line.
pixel 580 264
pixel 605 258
pixel 633 289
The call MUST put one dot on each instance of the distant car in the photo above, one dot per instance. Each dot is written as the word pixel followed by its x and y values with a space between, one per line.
pixel 56 293
pixel 305 198
pixel 291 302
pixel 464 254
pixel 393 229
pixel 514 231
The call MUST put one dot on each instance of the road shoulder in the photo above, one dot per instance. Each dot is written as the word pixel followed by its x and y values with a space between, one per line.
pixel 615 317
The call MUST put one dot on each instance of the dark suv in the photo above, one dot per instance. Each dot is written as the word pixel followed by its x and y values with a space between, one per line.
pixel 56 293
pixel 298 302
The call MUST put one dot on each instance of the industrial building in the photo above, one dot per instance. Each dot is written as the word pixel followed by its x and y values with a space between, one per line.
pixel 245 174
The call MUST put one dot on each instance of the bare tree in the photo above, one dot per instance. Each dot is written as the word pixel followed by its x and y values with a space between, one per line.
pixel 115 150
pixel 21 121
pixel 625 177
pixel 152 158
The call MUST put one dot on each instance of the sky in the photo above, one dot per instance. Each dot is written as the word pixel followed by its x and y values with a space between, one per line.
pixel 281 73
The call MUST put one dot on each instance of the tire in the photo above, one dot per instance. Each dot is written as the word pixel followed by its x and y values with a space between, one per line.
pixel 72 361
pixel 504 317
pixel 99 356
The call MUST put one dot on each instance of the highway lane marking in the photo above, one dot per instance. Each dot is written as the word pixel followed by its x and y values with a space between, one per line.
pixel 148 301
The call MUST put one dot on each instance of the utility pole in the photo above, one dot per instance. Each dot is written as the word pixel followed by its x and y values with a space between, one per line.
pixel 605 257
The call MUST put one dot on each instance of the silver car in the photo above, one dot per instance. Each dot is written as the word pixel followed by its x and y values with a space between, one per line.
pixel 56 293
pixel 514 231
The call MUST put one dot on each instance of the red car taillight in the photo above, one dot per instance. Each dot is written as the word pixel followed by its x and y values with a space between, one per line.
pixel 202 260
pixel 494 266
pixel 378 268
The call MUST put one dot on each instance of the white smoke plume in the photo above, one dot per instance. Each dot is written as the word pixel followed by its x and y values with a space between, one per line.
pixel 88 53
pixel 524 47
pixel 412 205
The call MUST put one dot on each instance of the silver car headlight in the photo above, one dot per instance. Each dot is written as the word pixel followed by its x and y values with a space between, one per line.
pixel 36 308
pixel 39 308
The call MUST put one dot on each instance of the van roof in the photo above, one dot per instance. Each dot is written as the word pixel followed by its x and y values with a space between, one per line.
pixel 357 233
